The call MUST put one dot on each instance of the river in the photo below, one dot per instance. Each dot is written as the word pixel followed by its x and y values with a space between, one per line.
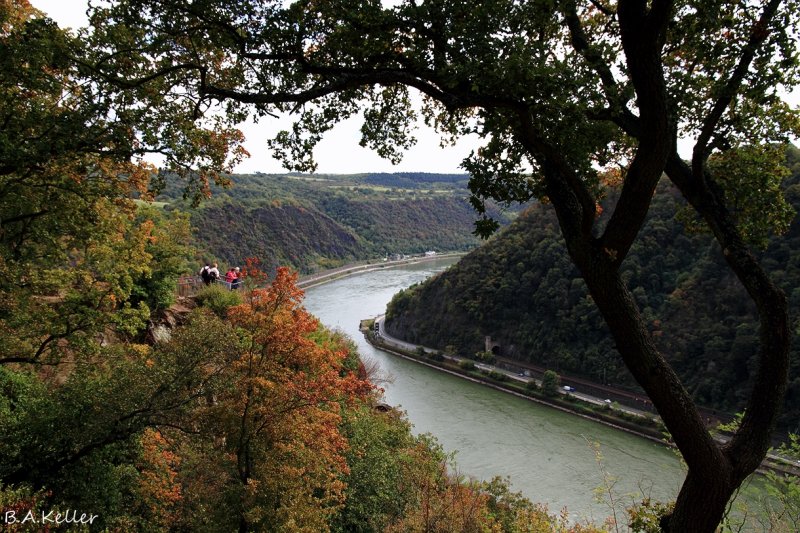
pixel 548 455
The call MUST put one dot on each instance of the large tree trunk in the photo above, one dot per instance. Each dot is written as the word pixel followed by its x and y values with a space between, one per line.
pixel 715 471
pixel 709 484
pixel 701 504
pixel 749 445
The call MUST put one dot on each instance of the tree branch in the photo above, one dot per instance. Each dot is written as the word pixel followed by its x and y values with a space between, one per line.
pixel 575 205
pixel 26 216
pixel 642 35
pixel 580 42
pixel 603 9
pixel 758 35
pixel 752 440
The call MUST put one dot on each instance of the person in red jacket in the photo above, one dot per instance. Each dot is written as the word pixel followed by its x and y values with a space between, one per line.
pixel 230 278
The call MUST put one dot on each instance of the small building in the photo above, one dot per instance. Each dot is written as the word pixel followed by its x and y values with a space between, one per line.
pixel 492 346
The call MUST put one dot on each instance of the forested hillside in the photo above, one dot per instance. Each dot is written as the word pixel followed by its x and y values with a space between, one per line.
pixel 312 222
pixel 522 289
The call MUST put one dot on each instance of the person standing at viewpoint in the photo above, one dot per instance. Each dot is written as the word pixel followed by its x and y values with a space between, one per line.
pixel 237 278
pixel 213 273
pixel 230 278
pixel 205 274
pixel 209 274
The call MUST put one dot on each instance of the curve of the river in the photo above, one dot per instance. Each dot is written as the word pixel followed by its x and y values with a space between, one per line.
pixel 547 454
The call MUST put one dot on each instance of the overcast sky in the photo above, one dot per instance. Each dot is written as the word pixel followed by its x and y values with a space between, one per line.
pixel 338 152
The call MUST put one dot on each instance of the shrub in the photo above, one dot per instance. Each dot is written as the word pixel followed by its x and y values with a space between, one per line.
pixel 497 376
pixel 484 357
pixel 466 364
pixel 550 383
pixel 645 517
pixel 218 299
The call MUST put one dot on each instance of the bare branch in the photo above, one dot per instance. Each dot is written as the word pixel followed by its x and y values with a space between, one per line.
pixel 758 35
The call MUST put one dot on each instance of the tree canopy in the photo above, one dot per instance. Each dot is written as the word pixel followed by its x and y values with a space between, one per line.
pixel 556 89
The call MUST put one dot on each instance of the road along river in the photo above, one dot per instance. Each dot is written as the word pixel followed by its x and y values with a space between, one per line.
pixel 549 456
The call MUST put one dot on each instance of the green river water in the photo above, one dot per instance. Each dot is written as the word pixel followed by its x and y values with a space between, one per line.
pixel 548 455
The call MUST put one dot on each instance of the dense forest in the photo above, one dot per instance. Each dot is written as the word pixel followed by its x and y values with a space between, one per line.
pixel 322 221
pixel 522 290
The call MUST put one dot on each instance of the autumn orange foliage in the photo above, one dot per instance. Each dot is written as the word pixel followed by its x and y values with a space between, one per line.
pixel 279 413
pixel 159 490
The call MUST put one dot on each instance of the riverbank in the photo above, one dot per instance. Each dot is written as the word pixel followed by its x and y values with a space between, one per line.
pixel 642 425
pixel 326 276
pixel 650 430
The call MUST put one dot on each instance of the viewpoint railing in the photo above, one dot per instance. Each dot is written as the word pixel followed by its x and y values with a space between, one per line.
pixel 189 285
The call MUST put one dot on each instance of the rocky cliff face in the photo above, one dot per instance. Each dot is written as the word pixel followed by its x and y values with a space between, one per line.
pixel 160 327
